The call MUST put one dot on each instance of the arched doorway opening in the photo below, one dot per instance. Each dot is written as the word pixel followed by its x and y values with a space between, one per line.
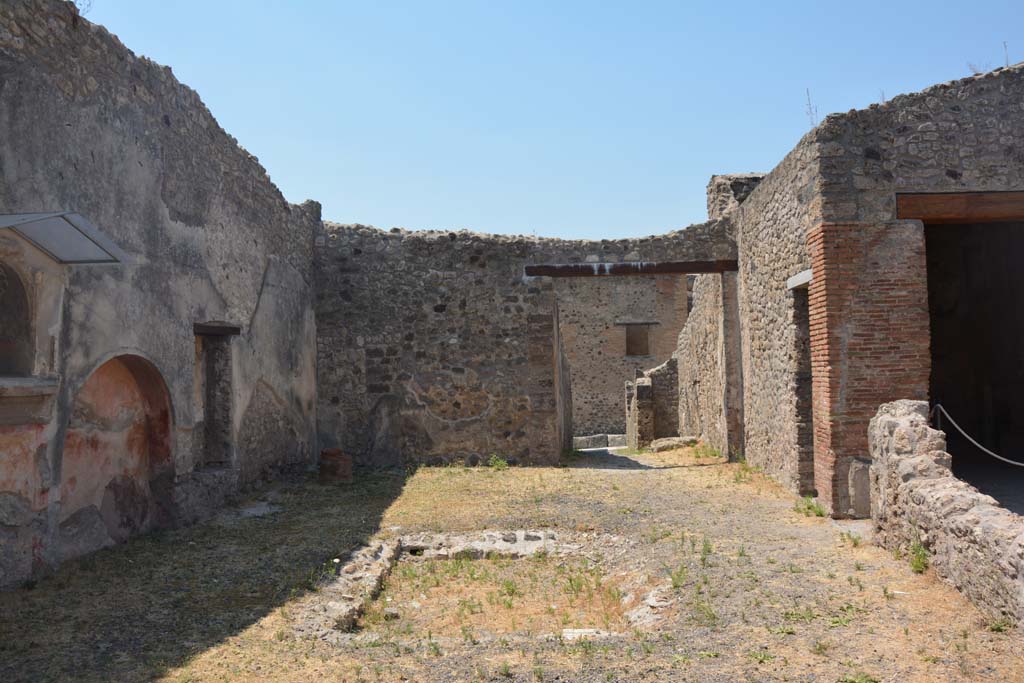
pixel 117 472
pixel 15 325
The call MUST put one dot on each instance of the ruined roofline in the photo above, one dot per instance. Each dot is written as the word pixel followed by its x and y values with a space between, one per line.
pixel 836 125
pixel 434 234
pixel 97 49
pixel 709 241
pixel 725 192
pixel 904 100
pixel 737 176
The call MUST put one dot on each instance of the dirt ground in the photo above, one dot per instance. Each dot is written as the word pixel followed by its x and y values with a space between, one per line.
pixel 758 588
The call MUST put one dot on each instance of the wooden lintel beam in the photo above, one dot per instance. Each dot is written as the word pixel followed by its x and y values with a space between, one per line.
pixel 961 207
pixel 216 329
pixel 631 268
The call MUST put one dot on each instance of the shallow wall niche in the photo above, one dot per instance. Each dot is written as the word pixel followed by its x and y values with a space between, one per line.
pixel 117 472
pixel 216 360
pixel 16 345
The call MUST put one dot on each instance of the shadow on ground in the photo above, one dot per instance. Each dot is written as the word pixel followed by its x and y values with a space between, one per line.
pixel 608 459
pixel 133 612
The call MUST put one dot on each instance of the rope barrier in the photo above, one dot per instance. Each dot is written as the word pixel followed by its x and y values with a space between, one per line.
pixel 937 417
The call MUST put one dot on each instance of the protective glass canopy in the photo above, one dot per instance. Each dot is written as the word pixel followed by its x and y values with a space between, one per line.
pixel 66 237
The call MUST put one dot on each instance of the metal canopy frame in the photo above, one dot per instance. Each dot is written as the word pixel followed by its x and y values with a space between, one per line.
pixel 66 237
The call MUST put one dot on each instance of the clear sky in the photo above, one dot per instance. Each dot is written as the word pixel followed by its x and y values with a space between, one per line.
pixel 572 119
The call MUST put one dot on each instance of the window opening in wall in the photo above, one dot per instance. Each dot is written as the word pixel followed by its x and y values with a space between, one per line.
pixel 638 340
pixel 16 348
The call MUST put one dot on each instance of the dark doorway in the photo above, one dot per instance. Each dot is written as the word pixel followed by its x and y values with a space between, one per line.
pixel 802 381
pixel 15 325
pixel 976 307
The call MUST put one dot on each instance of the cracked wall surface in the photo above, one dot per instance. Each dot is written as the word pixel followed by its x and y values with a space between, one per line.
pixel 90 127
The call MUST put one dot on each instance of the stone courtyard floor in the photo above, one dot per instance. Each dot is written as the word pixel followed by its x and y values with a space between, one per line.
pixel 688 568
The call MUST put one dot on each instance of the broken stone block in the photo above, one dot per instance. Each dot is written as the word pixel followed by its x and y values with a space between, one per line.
pixel 592 441
pixel 860 488
pixel 572 634
pixel 673 442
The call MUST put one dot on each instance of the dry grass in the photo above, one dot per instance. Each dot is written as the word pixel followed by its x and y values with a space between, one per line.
pixel 761 592
pixel 490 598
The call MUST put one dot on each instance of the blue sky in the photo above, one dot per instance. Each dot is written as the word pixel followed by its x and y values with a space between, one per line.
pixel 569 119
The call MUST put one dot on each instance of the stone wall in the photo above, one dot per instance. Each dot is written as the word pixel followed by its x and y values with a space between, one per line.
pixel 965 135
pixel 773 223
pixel 665 383
pixel 727 191
pixel 563 388
pixel 710 367
pixel 971 541
pixel 842 180
pixel 652 405
pixel 435 346
pixel 594 312
pixel 90 127
pixel 701 370
pixel 639 413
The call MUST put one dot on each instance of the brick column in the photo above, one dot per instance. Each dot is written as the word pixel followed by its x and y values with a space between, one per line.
pixel 869 339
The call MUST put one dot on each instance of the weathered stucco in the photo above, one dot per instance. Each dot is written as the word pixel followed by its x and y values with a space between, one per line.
pixel 88 126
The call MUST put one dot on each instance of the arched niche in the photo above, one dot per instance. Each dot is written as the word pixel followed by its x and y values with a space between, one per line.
pixel 117 471
pixel 16 347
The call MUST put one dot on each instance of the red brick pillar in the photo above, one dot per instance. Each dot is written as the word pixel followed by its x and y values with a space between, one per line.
pixel 869 339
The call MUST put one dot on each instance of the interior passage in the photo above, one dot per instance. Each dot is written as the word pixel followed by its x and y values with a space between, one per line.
pixel 976 305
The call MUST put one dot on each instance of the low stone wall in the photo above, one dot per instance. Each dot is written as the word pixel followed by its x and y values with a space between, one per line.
pixel 973 543
pixel 665 382
pixel 652 405
pixel 639 412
